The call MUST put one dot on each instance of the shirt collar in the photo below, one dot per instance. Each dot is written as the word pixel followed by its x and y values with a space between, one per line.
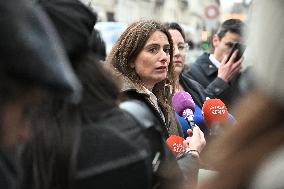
pixel 214 61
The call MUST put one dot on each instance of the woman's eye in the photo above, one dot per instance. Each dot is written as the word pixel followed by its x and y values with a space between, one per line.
pixel 181 47
pixel 167 50
pixel 153 50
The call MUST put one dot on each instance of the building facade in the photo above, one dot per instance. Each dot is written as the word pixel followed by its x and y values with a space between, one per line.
pixel 189 13
pixel 199 18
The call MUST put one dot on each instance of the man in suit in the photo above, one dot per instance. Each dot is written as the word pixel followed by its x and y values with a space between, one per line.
pixel 221 79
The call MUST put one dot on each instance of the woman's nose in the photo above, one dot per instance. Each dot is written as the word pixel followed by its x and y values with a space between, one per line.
pixel 177 51
pixel 164 56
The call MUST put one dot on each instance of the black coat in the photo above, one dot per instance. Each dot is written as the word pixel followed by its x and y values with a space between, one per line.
pixel 173 172
pixel 193 88
pixel 109 152
pixel 113 154
pixel 117 152
pixel 205 72
pixel 8 169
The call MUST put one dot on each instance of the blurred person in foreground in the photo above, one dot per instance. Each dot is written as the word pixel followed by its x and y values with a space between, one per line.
pixel 93 143
pixel 251 155
pixel 33 66
pixel 222 79
pixel 98 45
pixel 142 57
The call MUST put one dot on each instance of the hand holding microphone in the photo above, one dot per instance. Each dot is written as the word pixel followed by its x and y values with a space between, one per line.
pixel 195 142
pixel 192 144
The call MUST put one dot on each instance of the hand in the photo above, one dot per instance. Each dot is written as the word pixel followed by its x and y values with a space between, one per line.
pixel 227 71
pixel 195 141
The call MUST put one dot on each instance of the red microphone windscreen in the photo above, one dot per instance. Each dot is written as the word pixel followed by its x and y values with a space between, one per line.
pixel 175 143
pixel 214 111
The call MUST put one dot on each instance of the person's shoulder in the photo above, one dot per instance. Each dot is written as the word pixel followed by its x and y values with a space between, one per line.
pixel 105 151
pixel 128 86
pixel 184 76
pixel 204 58
pixel 109 140
pixel 201 63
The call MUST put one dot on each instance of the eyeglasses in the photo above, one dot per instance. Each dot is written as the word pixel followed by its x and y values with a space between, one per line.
pixel 181 46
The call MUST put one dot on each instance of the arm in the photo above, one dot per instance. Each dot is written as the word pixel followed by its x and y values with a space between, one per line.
pixel 189 159
pixel 216 88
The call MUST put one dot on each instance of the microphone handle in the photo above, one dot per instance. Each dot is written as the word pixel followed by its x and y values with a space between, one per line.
pixel 190 121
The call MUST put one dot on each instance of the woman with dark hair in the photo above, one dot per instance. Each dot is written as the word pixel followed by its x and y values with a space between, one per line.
pixel 153 80
pixel 142 57
pixel 183 83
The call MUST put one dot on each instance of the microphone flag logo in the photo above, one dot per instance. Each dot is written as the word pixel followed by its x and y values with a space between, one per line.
pixel 175 143
pixel 214 111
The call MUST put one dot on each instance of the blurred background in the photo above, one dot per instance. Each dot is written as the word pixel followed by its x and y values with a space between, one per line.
pixel 199 18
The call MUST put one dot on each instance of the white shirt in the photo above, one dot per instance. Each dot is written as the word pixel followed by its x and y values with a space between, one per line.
pixel 214 61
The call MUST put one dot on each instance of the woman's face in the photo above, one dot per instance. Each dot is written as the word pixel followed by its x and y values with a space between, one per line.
pixel 152 62
pixel 179 50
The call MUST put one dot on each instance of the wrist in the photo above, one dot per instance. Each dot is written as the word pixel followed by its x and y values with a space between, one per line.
pixel 193 152
pixel 222 78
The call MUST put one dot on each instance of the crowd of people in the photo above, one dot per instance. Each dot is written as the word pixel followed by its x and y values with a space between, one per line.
pixel 70 121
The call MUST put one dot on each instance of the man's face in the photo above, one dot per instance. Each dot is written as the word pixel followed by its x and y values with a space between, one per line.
pixel 223 46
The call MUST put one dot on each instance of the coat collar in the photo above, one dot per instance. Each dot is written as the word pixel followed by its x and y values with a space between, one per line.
pixel 206 65
pixel 128 85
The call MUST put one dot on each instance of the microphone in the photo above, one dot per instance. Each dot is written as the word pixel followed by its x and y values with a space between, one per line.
pixel 198 120
pixel 184 106
pixel 175 144
pixel 215 113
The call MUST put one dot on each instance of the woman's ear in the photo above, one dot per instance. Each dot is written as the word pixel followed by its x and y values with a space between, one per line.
pixel 215 40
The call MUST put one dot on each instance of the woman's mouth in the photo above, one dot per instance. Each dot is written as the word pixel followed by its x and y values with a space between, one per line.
pixel 177 62
pixel 162 68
